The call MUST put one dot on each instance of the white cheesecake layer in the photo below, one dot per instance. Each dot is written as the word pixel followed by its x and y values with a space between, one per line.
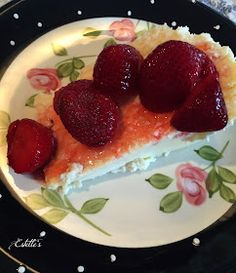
pixel 135 160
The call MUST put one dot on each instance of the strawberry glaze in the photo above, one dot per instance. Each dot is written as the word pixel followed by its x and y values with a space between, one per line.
pixel 138 127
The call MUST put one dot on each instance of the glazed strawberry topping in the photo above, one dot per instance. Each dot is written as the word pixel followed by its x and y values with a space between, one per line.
pixel 169 73
pixel 89 116
pixel 139 126
pixel 204 110
pixel 116 71
pixel 30 146
pixel 176 77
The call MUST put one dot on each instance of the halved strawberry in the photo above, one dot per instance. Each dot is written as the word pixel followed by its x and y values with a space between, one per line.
pixel 30 145
pixel 89 116
pixel 116 71
pixel 170 72
pixel 204 110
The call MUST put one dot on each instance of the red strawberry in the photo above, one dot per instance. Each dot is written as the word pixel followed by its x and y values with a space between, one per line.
pixel 116 70
pixel 30 145
pixel 83 84
pixel 89 116
pixel 170 72
pixel 56 100
pixel 204 110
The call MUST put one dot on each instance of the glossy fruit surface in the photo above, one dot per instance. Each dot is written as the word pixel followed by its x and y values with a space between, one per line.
pixel 204 110
pixel 116 70
pixel 170 72
pixel 30 145
pixel 89 116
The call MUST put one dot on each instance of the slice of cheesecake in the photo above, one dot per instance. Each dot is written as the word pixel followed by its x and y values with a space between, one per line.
pixel 144 135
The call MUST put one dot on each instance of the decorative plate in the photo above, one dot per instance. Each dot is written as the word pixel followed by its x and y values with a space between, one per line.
pixel 178 196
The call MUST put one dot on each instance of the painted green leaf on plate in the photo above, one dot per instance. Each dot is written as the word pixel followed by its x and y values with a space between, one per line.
pixel 159 181
pixel 110 42
pixel 30 101
pixel 59 50
pixel 4 120
pixel 64 70
pixel 74 76
pixel 53 216
pixel 93 33
pixel 227 194
pixel 35 201
pixel 171 202
pixel 93 206
pixel 227 175
pixel 209 153
pixel 68 203
pixel 78 63
pixel 213 182
pixel 53 198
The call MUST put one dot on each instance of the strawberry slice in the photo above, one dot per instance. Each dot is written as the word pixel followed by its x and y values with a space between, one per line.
pixel 170 72
pixel 30 145
pixel 116 71
pixel 89 116
pixel 204 110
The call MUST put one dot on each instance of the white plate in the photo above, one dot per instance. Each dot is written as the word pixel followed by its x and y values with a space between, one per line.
pixel 131 215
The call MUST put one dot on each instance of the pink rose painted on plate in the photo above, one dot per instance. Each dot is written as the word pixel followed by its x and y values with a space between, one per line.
pixel 191 182
pixel 123 30
pixel 44 79
pixel 194 184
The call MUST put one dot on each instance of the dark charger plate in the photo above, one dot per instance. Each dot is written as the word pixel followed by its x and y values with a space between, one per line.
pixel 62 253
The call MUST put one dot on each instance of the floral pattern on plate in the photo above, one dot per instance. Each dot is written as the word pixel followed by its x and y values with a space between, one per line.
pixel 193 182
pixel 60 206
pixel 49 79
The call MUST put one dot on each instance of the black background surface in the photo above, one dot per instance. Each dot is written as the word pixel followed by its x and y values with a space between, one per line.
pixel 62 253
